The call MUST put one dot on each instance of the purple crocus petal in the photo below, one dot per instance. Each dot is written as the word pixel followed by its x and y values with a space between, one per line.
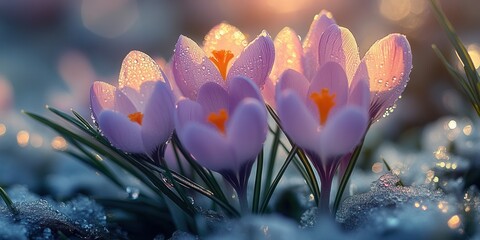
pixel 212 97
pixel 208 147
pixel 268 93
pixel 148 88
pixel 288 53
pixel 102 96
pixel 342 132
pixel 120 131
pixel 297 121
pixel 188 110
pixel 168 75
pixel 157 125
pixel 337 44
pixel 330 76
pixel 255 61
pixel 388 64
pixel 293 80
pixel 192 68
pixel 240 88
pixel 138 67
pixel 247 130
pixel 171 159
pixel 310 45
pixel 225 37
pixel 134 96
pixel 360 94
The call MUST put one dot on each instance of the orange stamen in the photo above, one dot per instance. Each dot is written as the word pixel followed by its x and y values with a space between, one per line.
pixel 218 119
pixel 136 117
pixel 325 102
pixel 220 59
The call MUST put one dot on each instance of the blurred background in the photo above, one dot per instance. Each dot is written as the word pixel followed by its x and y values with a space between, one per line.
pixel 52 50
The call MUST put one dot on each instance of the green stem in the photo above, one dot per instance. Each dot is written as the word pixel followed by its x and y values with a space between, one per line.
pixel 242 198
pixel 326 188
pixel 8 201
pixel 273 155
pixel 304 160
pixel 346 176
pixel 271 189
pixel 258 183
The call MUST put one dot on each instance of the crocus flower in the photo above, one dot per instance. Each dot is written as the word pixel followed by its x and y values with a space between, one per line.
pixel 137 116
pixel 385 68
pixel 386 65
pixel 290 53
pixel 224 129
pixel 225 54
pixel 325 116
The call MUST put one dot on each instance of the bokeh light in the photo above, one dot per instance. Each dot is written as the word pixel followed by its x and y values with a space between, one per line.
pixel 22 138
pixel 59 143
pixel 109 18
pixel 3 129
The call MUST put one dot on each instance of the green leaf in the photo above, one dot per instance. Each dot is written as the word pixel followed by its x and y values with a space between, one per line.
pixel 470 84
pixel 277 179
pixel 400 183
pixel 8 201
pixel 273 155
pixel 206 176
pixel 346 176
pixel 310 174
pixel 144 175
pixel 258 183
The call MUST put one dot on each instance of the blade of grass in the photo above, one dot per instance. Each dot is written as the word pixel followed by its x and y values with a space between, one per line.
pixel 8 201
pixel 273 155
pixel 452 36
pixel 258 183
pixel 80 125
pixel 144 175
pixel 277 179
pixel 83 120
pixel 346 176
pixel 400 183
pixel 206 177
pixel 177 158
pixel 98 164
pixel 177 188
pixel 470 71
pixel 89 162
pixel 303 159
pixel 138 207
pixel 466 88
pixel 186 182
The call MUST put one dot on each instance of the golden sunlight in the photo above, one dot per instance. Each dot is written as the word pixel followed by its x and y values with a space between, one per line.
pixel 59 143
pixel 22 138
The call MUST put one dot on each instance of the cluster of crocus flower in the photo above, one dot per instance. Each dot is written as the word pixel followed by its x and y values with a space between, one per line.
pixel 326 97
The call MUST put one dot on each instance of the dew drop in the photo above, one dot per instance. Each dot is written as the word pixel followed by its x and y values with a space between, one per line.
pixel 133 192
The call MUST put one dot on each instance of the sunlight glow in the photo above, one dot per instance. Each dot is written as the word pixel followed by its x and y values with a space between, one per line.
pixel 59 143
pixel 474 52
pixel 454 222
pixel 3 129
pixel 467 130
pixel 377 167
pixel 22 138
